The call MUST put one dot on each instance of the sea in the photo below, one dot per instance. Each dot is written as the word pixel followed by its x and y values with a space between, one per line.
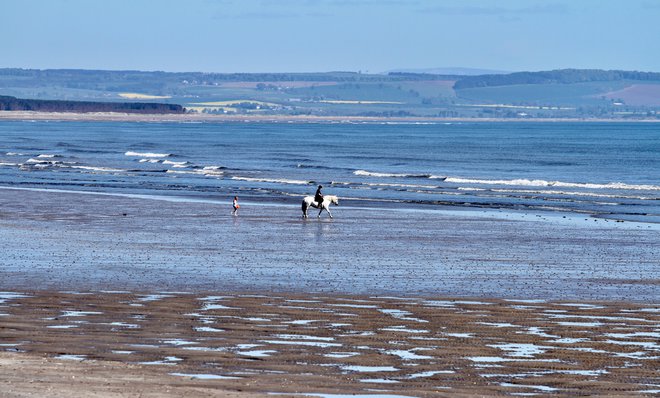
pixel 602 170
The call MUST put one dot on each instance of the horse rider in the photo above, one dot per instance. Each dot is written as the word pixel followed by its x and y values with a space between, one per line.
pixel 318 196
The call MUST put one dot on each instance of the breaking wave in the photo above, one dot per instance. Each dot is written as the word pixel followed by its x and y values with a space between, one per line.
pixel 177 164
pixel 543 183
pixel 148 154
pixel 395 175
pixel 520 182
pixel 274 180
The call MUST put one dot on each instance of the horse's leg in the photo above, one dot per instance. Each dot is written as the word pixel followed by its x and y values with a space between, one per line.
pixel 328 210
pixel 304 209
pixel 321 207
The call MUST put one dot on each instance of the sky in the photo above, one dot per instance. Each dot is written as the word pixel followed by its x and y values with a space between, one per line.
pixel 371 36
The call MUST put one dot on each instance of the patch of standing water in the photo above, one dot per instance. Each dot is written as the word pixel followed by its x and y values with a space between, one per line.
pixel 153 297
pixel 537 331
pixel 122 324
pixel 404 329
pixel 646 344
pixel 582 306
pixel 207 329
pixel 320 395
pixel 569 340
pixel 320 344
pixel 302 322
pixel 499 325
pixel 204 376
pixel 79 313
pixel 526 301
pixel 429 373
pixel 407 355
pixel 540 388
pixel 400 314
pixel 358 368
pixel 257 353
pixel 580 324
pixel 71 357
pixel 500 359
pixel 521 350
pixel 460 335
pixel 354 305
pixel 341 354
pixel 655 335
pixel 170 361
pixel 179 342
pixel 212 306
pixel 4 296
pixel 302 337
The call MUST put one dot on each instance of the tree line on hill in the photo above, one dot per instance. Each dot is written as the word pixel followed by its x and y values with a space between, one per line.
pixel 561 76
pixel 155 80
pixel 17 104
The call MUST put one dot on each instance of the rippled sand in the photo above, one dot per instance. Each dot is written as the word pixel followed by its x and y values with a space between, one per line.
pixel 316 344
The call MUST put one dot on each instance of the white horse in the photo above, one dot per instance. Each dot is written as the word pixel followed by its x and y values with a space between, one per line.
pixel 308 201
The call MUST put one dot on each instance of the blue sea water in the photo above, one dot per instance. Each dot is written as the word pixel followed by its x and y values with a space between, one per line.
pixel 609 170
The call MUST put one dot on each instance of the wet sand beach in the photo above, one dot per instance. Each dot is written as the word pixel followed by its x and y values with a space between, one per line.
pixel 76 240
pixel 170 296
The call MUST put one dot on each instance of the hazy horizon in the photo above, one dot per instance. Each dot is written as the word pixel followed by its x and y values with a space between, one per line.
pixel 370 36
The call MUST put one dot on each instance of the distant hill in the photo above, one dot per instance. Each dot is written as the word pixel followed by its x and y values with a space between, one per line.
pixel 18 104
pixel 455 71
pixel 436 92
pixel 562 76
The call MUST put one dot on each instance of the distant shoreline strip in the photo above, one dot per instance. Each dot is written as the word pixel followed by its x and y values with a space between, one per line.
pixel 208 118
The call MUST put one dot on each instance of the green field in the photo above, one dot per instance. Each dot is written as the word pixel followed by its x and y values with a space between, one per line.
pixel 578 94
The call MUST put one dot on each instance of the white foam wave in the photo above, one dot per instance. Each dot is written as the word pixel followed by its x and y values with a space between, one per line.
pixel 207 173
pixel 213 170
pixel 47 155
pixel 44 163
pixel 574 193
pixel 276 180
pixel 15 154
pixel 8 164
pixel 150 160
pixel 184 172
pixel 393 175
pixel 374 174
pixel 41 161
pixel 101 169
pixel 177 164
pixel 544 183
pixel 384 184
pixel 148 154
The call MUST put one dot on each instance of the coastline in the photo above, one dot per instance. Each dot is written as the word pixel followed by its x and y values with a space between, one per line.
pixel 208 118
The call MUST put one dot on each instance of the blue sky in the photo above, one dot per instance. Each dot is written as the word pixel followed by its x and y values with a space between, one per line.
pixel 329 35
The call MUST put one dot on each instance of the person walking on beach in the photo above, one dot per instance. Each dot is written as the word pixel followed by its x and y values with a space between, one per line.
pixel 236 206
pixel 318 196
